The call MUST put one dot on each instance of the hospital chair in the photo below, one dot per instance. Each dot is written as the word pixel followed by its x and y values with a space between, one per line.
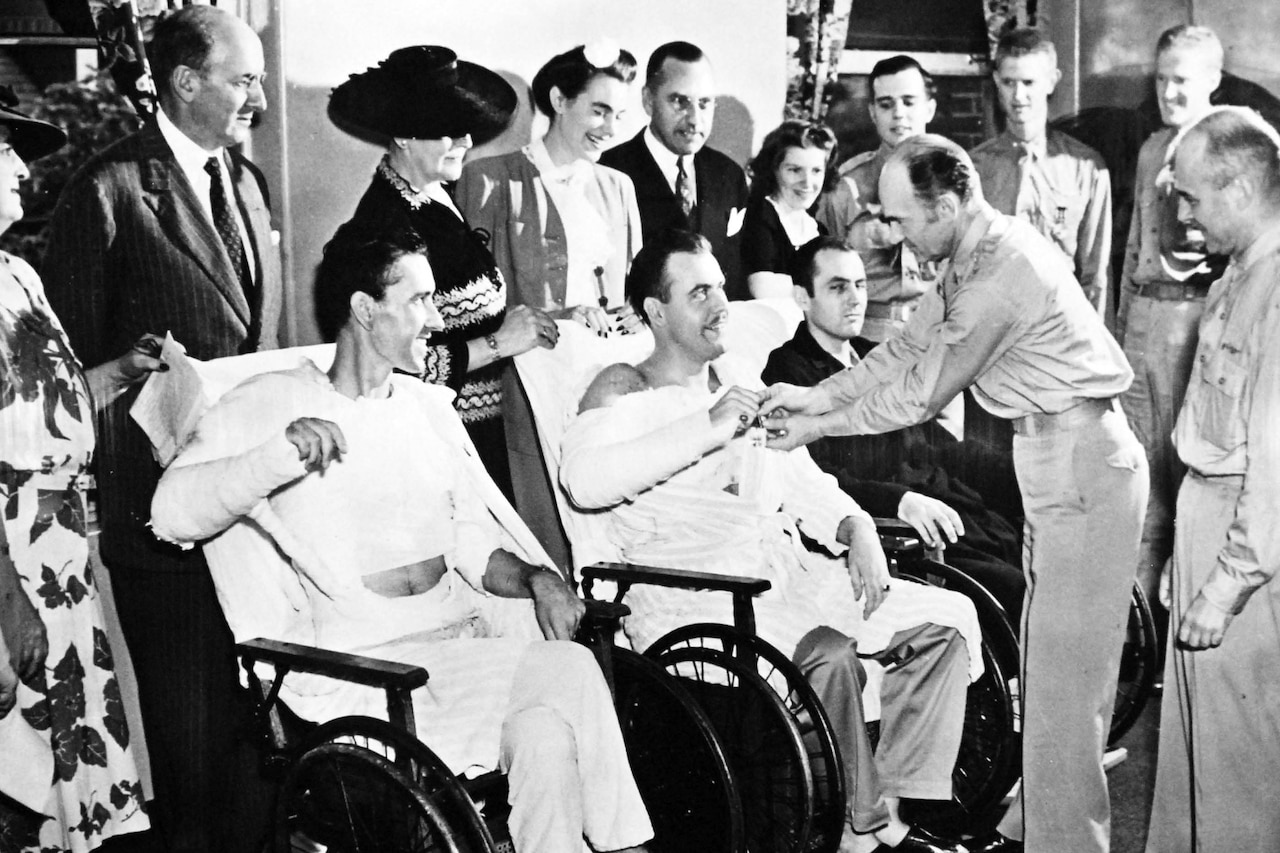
pixel 364 781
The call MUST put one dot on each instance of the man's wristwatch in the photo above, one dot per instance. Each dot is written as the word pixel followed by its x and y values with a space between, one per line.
pixel 493 346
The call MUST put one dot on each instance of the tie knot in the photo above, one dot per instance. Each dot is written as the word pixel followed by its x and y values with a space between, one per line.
pixel 680 165
pixel 213 167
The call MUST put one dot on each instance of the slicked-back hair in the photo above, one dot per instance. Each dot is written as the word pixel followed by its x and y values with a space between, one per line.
pixel 937 166
pixel 804 263
pixel 571 72
pixel 1238 141
pixel 648 276
pixel 1189 36
pixel 185 37
pixel 1024 42
pixel 358 259
pixel 896 65
pixel 680 51
pixel 792 133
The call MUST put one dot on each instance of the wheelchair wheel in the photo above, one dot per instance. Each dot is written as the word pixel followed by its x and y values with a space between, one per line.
pixel 990 757
pixel 343 798
pixel 678 762
pixel 761 739
pixel 830 797
pixel 1139 663
pixel 419 764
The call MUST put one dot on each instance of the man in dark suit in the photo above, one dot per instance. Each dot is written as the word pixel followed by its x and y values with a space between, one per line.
pixel 679 182
pixel 168 231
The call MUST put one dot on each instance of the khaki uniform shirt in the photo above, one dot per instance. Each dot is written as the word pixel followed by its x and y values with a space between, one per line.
pixel 1159 248
pixel 1061 187
pixel 1008 319
pixel 1230 422
pixel 893 275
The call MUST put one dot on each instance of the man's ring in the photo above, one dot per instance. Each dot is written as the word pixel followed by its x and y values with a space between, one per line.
pixel 743 418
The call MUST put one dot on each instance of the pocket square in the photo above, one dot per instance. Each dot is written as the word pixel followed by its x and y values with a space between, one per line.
pixel 736 217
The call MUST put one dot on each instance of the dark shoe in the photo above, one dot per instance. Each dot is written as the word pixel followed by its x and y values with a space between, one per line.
pixel 919 840
pixel 993 842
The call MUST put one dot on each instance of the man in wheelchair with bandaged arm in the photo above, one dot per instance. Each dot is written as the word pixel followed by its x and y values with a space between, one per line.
pixel 403 549
pixel 669 447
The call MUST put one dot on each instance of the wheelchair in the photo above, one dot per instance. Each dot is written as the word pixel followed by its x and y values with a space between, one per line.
pixel 777 736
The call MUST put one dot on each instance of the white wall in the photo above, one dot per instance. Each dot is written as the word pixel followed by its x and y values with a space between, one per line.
pixel 313 45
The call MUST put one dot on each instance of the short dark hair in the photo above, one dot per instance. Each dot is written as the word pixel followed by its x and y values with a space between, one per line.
pixel 648 276
pixel 804 263
pixel 792 133
pixel 1022 42
pixel 937 166
pixel 571 72
pixel 680 51
pixel 358 259
pixel 185 37
pixel 896 65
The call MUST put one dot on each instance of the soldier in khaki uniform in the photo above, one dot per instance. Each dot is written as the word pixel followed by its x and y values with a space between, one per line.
pixel 1050 179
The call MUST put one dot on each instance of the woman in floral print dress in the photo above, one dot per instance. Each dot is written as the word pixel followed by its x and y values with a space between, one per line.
pixel 67 776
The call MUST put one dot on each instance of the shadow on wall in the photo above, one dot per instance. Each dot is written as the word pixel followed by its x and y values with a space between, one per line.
pixel 733 130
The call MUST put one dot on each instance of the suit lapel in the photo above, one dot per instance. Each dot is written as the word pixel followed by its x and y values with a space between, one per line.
pixel 181 216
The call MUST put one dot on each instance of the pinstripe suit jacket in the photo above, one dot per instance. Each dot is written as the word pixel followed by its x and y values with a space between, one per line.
pixel 132 251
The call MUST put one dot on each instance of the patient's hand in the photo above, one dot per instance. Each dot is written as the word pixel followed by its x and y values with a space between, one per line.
pixel 936 522
pixel 734 412
pixel 319 442
pixel 558 608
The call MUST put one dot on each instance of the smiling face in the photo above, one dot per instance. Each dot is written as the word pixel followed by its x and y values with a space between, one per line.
pixel 925 229
pixel 585 125
pixel 13 171
pixel 436 160
pixel 1185 78
pixel 838 305
pixel 1024 84
pixel 799 175
pixel 405 317
pixel 1202 204
pixel 222 99
pixel 901 107
pixel 694 316
pixel 683 106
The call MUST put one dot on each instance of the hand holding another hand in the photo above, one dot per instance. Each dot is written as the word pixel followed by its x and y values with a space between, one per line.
pixel 734 412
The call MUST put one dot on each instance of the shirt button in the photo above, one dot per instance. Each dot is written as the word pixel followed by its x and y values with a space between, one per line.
pixel 1222 380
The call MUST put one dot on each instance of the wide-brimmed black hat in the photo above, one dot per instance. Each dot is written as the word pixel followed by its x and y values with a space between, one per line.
pixel 423 92
pixel 30 137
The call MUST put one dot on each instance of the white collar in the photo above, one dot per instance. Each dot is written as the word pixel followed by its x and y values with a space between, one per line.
pixel 537 153
pixel 190 156
pixel 668 161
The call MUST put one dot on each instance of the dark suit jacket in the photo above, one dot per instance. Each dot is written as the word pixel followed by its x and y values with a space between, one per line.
pixel 131 251
pixel 877 470
pixel 721 189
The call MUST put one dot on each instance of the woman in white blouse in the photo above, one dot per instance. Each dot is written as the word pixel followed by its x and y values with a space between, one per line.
pixel 563 228
pixel 787 176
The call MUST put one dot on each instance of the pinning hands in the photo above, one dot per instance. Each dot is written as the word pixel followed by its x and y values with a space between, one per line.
pixel 524 328
pixel 790 414
pixel 319 442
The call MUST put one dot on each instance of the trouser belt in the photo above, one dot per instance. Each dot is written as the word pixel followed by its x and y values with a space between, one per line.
pixel 1087 410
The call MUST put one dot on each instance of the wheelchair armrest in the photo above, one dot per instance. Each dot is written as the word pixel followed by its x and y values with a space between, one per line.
pixel 897 537
pixel 347 667
pixel 742 588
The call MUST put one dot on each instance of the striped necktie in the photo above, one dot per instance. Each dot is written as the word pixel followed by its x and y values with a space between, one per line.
pixel 684 189
pixel 224 221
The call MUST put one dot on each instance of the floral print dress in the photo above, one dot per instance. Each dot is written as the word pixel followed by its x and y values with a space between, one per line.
pixel 75 712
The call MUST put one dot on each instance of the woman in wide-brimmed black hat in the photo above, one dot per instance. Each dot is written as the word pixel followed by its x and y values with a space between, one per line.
pixel 428 108
pixel 65 745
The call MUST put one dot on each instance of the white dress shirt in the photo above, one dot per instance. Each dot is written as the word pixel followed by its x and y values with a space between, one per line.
pixel 668 162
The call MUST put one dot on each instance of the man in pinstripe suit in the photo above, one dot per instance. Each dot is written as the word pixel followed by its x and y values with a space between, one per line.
pixel 168 231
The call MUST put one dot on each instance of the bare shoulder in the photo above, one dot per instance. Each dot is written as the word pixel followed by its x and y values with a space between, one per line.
pixel 616 380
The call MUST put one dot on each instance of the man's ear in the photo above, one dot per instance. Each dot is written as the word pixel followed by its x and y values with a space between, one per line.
pixel 1054 79
pixel 184 82
pixel 362 308
pixel 947 207
pixel 930 110
pixel 646 100
pixel 654 308
pixel 801 296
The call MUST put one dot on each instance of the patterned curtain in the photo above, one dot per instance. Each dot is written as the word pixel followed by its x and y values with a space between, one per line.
pixel 1006 15
pixel 816 32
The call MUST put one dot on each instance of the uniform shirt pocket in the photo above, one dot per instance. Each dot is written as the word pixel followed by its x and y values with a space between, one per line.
pixel 1219 406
